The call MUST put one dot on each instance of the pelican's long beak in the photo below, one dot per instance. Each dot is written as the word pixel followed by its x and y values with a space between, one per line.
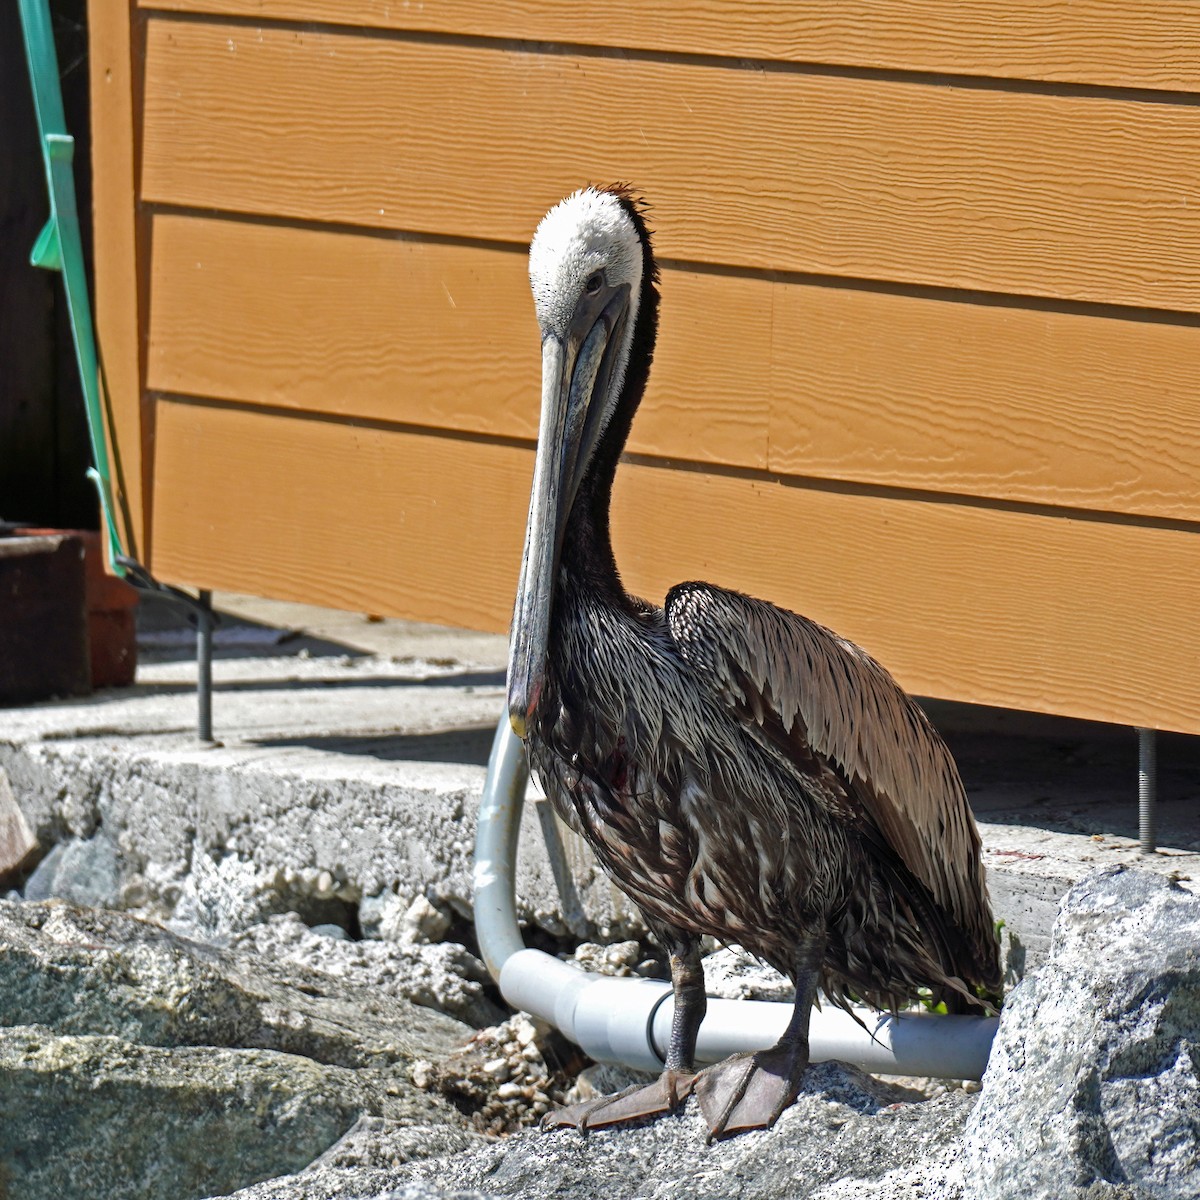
pixel 577 377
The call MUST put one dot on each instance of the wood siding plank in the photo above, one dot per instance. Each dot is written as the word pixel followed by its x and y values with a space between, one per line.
pixel 1005 608
pixel 1014 404
pixel 426 333
pixel 1075 197
pixel 963 602
pixel 1149 45
pixel 332 514
pixel 1044 407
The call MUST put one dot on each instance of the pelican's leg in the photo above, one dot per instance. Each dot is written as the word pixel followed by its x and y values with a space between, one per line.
pixel 674 1085
pixel 749 1091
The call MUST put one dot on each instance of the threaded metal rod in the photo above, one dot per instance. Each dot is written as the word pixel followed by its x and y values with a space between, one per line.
pixel 1147 790
pixel 204 646
pixel 572 909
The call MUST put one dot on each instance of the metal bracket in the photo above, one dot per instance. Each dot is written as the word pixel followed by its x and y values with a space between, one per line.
pixel 58 246
pixel 201 614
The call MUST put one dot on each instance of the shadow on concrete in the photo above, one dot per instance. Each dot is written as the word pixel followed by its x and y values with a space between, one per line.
pixel 167 634
pixel 1019 768
pixel 459 679
pixel 470 745
pixel 1069 776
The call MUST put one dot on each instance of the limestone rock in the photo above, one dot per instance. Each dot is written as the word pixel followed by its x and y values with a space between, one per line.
pixel 734 974
pixel 1093 1086
pixel 507 1076
pixel 423 923
pixel 106 1118
pixel 620 958
pixel 81 971
pixel 445 976
pixel 291 812
pixel 846 1137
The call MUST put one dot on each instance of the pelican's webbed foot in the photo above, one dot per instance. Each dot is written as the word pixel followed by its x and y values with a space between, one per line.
pixel 664 1095
pixel 749 1091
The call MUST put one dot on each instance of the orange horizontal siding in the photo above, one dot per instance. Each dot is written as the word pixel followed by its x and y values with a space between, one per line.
pixel 1149 45
pixel 428 333
pixel 902 384
pixel 1002 608
pixel 1083 411
pixel 1070 197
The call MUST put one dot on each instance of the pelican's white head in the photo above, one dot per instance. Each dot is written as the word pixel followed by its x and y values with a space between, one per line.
pixel 590 233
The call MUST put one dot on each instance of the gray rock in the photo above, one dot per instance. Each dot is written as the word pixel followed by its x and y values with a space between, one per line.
pixel 82 871
pixel 1093 1086
pixel 445 976
pixel 846 1137
pixel 82 971
pixel 379 911
pixel 102 1117
pixel 336 1183
pixel 223 897
pixel 845 1126
pixel 605 1079
pixel 384 1142
pixel 420 1191
pixel 734 974
pixel 40 884
pixel 135 1063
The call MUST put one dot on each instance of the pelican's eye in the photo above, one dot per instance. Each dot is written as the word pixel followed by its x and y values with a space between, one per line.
pixel 594 284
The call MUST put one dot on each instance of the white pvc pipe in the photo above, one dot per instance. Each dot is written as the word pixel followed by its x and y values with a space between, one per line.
pixel 629 1020
pixel 496 850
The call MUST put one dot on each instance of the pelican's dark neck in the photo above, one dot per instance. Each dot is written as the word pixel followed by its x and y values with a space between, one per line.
pixel 587 547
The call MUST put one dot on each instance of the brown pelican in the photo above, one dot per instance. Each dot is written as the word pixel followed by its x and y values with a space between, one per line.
pixel 740 771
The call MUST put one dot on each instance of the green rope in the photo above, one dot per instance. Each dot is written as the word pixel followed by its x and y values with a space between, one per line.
pixel 58 247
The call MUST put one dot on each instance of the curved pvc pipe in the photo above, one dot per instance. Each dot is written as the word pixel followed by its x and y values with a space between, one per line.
pixel 629 1020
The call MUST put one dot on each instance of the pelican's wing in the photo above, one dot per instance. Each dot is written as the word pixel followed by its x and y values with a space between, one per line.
pixel 807 691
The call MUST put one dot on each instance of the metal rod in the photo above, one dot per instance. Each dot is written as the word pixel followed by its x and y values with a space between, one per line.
pixel 572 908
pixel 1147 790
pixel 204 645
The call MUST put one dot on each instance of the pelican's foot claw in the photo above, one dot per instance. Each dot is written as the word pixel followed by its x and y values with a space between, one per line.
pixel 664 1095
pixel 749 1091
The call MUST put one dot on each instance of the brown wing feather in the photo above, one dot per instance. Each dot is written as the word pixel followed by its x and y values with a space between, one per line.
pixel 769 665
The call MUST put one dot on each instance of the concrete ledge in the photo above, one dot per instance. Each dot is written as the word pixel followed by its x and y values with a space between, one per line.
pixel 350 777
